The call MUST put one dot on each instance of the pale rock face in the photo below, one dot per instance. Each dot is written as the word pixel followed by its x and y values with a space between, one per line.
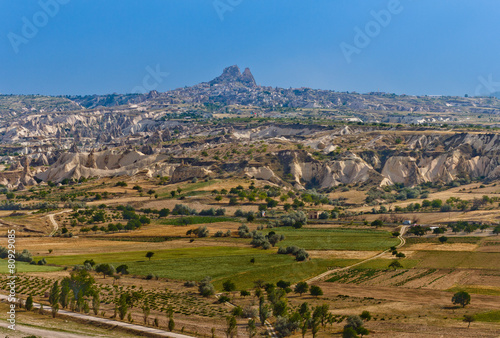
pixel 262 173
pixel 327 174
pixel 106 164
pixel 400 169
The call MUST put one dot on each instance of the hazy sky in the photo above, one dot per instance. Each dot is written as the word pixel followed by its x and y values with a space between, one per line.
pixel 104 46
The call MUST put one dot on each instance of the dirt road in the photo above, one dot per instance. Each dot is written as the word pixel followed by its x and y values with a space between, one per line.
pixel 92 319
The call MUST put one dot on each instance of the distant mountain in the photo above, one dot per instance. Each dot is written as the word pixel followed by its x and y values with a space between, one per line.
pixel 234 87
pixel 232 75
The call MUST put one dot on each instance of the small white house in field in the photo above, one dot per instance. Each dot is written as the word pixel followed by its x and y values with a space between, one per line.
pixel 407 222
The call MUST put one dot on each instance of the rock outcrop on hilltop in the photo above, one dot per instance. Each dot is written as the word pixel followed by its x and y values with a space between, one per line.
pixel 232 75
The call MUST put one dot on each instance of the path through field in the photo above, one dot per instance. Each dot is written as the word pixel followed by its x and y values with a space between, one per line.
pixel 128 326
pixel 38 332
pixel 54 223
pixel 329 272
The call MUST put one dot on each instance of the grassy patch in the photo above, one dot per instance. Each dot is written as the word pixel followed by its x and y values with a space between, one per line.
pixel 26 267
pixel 189 220
pixel 336 239
pixel 490 316
pixel 451 240
pixel 221 263
pixel 188 190
pixel 479 290
pixel 291 271
pixel 458 259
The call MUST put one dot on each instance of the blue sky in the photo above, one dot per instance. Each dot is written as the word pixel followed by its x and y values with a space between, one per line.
pixel 97 47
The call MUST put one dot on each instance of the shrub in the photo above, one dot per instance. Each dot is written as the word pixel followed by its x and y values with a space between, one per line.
pixel 294 219
pixel 202 232
pixel 205 287
pixel 181 209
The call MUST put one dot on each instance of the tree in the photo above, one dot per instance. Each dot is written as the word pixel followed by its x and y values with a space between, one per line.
pixel 436 204
pixel 145 313
pixel 314 324
pixel 349 332
pixel 171 323
pixel 123 269
pixel 122 306
pixel 251 328
pixel 301 287
pixel 81 283
pixel 395 265
pixel 105 269
pixel 149 254
pixel 54 298
pixel 461 298
pixel 29 303
pixel 164 212
pixel 321 313
pixel 228 286
pixel 282 284
pixel 264 311
pixel 316 291
pixel 469 319
pixel 366 316
pixel 443 239
pixel 231 330
pixel 354 322
pixel 96 302
pixel 377 223
pixel 64 297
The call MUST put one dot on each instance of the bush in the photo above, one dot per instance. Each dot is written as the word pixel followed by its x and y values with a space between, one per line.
pixel 259 240
pixel 207 212
pixel 24 256
pixel 205 287
pixel 202 232
pixel 294 219
pixel 181 209
pixel 224 299
pixel 301 255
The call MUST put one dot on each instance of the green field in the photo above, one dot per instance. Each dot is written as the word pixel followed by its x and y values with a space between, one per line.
pixel 26 267
pixel 492 291
pixel 220 263
pixel 336 239
pixel 458 259
pixel 490 316
pixel 451 240
pixel 188 190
